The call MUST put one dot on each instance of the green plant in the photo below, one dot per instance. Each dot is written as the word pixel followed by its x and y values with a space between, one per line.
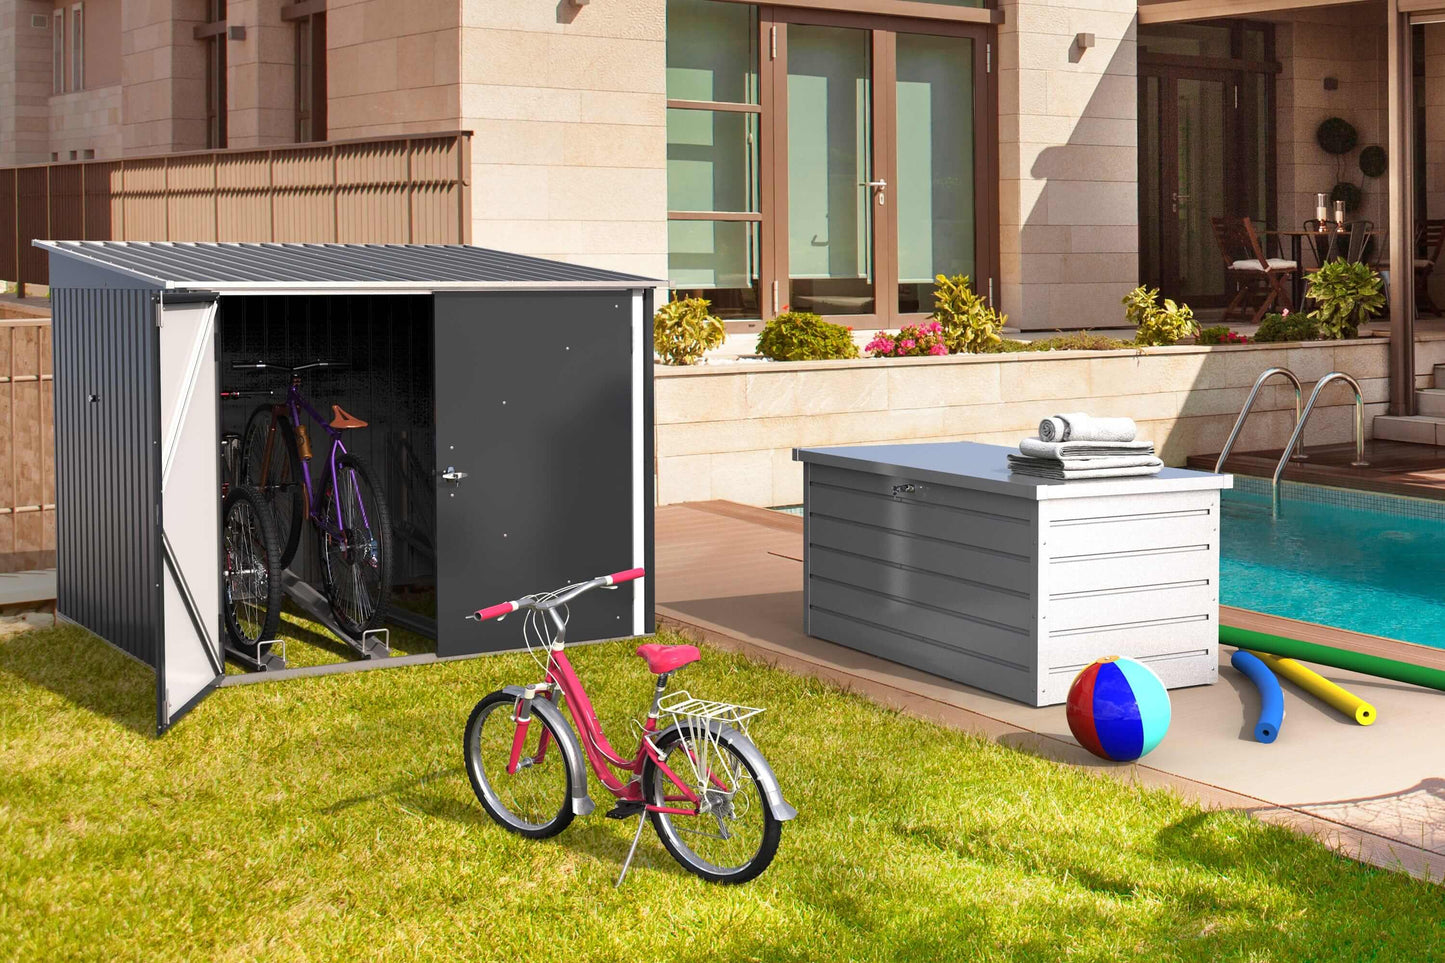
pixel 683 330
pixel 1336 135
pixel 1373 161
pixel 1219 334
pixel 1073 341
pixel 970 326
pixel 1349 194
pixel 1287 327
pixel 912 340
pixel 803 336
pixel 1156 325
pixel 1346 294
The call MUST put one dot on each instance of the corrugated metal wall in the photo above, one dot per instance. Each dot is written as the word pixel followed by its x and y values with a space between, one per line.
pixel 107 466
pixel 377 191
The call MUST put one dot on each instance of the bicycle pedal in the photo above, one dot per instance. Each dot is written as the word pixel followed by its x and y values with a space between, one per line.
pixel 625 810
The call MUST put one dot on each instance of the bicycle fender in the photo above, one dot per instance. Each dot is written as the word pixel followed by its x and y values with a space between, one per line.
pixel 567 742
pixel 772 792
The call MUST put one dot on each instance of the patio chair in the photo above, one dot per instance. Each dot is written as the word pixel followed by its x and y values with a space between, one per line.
pixel 1361 241
pixel 1260 281
pixel 1427 254
pixel 1320 243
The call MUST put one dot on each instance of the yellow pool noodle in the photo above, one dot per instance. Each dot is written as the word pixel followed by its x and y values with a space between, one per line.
pixel 1320 687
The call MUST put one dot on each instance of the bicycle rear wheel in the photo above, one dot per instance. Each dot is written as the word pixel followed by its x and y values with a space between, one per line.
pixel 271 463
pixel 356 565
pixel 737 836
pixel 252 583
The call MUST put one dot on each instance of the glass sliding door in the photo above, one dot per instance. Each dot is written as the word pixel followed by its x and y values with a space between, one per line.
pixel 1201 172
pixel 830 170
pixel 934 170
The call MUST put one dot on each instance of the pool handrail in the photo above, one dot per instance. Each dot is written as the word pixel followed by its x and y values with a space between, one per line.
pixel 1268 373
pixel 1299 427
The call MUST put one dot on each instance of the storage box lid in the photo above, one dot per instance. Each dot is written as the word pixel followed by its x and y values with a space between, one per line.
pixel 970 465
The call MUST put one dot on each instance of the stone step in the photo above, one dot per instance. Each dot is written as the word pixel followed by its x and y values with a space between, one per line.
pixel 1418 429
pixel 1438 376
pixel 1431 401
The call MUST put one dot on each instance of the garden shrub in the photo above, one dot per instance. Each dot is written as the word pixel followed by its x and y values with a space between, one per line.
pixel 1287 327
pixel 1346 294
pixel 1155 325
pixel 970 326
pixel 803 336
pixel 912 340
pixel 683 330
pixel 1073 341
pixel 1219 334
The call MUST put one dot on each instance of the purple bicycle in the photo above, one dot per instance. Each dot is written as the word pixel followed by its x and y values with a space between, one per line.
pixel 353 526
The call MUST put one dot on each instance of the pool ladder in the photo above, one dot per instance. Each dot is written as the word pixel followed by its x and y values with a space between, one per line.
pixel 1294 449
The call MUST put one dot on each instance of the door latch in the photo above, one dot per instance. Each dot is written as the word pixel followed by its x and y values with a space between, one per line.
pixel 452 475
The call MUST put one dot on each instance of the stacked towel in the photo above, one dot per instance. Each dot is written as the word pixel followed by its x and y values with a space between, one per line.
pixel 1078 426
pixel 1065 461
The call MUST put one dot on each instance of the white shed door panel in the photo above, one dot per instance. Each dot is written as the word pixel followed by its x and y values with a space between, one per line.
pixel 190 506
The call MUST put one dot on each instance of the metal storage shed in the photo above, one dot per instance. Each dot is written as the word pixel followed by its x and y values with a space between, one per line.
pixel 540 391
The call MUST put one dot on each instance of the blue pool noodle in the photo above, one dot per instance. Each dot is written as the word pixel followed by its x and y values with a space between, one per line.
pixel 1271 696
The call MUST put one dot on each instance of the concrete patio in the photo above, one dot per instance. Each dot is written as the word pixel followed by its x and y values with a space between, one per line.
pixel 732 575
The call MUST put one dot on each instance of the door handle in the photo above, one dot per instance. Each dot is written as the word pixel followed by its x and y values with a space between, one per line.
pixel 452 475
pixel 880 188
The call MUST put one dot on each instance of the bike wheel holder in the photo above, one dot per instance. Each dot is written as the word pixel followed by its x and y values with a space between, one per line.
pixel 373 644
pixel 266 659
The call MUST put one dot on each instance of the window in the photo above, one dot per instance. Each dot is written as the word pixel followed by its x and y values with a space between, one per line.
pixel 311 78
pixel 57 52
pixel 77 47
pixel 216 79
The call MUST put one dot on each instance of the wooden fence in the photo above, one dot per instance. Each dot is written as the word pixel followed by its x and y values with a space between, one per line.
pixel 380 190
pixel 27 445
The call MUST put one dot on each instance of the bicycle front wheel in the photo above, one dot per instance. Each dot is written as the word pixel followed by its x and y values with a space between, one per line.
pixel 355 547
pixel 252 581
pixel 734 835
pixel 535 801
pixel 271 463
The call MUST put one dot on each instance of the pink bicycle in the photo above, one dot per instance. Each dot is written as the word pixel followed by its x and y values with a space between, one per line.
pixel 711 795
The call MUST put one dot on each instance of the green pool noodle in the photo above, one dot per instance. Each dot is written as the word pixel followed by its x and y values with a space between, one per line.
pixel 1336 658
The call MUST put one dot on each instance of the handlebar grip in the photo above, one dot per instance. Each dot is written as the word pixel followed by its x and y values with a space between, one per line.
pixel 616 578
pixel 495 611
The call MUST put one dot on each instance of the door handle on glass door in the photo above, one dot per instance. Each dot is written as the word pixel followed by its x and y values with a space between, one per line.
pixel 452 475
pixel 879 187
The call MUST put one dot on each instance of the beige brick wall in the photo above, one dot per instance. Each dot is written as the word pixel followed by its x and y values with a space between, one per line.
pixel 24 82
pixel 568 106
pixel 728 431
pixel 1068 163
pixel 261 76
pixel 86 120
pixel 163 69
pixel 392 67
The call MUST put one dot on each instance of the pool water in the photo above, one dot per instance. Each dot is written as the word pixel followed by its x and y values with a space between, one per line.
pixel 1360 561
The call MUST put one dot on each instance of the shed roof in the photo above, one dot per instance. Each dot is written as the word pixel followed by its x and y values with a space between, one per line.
pixel 233 267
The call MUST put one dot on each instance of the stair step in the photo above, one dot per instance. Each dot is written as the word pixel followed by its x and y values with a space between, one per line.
pixel 1417 429
pixel 1431 401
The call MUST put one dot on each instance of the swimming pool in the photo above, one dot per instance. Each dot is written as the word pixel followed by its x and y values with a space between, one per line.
pixel 1355 560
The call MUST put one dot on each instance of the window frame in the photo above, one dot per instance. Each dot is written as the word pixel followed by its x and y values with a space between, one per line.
pixel 77 46
pixel 57 51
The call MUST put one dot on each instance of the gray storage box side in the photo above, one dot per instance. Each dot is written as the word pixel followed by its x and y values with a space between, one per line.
pixel 937 578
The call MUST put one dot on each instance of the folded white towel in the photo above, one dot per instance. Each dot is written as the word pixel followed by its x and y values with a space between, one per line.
pixel 1034 448
pixel 1093 468
pixel 1078 426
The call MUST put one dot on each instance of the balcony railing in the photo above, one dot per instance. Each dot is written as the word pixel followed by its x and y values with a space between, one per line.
pixel 413 189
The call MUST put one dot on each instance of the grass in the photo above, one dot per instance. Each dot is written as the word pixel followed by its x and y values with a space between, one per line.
pixel 330 819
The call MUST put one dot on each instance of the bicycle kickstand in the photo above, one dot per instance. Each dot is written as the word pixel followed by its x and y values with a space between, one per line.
pixel 641 822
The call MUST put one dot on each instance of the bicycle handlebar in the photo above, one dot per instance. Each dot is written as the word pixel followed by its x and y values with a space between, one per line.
pixel 562 595
pixel 293 369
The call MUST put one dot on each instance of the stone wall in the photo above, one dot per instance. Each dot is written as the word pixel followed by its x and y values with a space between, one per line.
pixel 728 430
pixel 88 120
pixel 260 76
pixel 1068 179
pixel 391 68
pixel 163 71
pixel 568 105
pixel 24 82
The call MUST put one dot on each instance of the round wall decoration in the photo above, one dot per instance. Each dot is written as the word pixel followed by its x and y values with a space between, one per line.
pixel 1372 161
pixel 1337 136
pixel 1349 193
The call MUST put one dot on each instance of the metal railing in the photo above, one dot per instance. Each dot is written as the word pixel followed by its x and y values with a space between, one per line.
pixel 414 189
pixel 1268 373
pixel 1299 427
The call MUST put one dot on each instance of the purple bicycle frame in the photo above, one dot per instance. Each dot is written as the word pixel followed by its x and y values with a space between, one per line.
pixel 297 403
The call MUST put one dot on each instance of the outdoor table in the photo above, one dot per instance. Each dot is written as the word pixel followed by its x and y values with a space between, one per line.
pixel 937 557
pixel 1296 253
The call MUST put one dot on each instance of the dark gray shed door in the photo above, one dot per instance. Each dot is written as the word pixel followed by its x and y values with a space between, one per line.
pixel 535 401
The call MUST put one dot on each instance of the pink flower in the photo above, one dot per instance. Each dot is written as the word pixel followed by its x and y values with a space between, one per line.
pixel 935 327
pixel 938 349
pixel 908 344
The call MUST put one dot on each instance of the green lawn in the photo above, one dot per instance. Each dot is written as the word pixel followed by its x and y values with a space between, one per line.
pixel 330 819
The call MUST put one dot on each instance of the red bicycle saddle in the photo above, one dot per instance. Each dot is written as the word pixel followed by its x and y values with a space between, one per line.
pixel 666 658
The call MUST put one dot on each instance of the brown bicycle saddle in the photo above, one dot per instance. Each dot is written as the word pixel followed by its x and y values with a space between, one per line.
pixel 341 419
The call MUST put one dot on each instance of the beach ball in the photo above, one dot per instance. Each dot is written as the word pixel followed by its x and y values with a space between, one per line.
pixel 1118 709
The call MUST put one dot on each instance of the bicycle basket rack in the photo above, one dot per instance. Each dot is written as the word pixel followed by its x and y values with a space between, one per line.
pixel 695 718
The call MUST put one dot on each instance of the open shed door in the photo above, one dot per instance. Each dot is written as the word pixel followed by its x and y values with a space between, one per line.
pixel 192 660
pixel 539 401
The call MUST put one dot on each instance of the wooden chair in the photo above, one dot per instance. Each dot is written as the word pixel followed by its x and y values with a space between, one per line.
pixel 1257 278
pixel 1427 255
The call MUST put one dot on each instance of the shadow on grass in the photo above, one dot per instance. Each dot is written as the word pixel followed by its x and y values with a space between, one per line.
pixel 86 672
